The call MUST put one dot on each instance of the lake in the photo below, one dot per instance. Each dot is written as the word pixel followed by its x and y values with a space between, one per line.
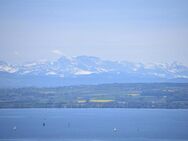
pixel 93 125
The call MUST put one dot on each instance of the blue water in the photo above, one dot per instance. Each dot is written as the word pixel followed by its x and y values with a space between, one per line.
pixel 93 125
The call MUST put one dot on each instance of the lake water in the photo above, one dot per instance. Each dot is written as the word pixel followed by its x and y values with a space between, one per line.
pixel 93 125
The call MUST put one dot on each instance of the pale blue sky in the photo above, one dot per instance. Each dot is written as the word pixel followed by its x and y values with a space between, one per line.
pixel 132 30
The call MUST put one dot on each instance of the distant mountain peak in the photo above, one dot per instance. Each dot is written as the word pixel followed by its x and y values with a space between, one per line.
pixel 89 69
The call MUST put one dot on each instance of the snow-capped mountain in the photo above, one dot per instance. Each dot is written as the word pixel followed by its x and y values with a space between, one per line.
pixel 88 70
pixel 4 67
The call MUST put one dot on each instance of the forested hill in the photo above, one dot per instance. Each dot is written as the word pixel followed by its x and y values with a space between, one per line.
pixel 138 95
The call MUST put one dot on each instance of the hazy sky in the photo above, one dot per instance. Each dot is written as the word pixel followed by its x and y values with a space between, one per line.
pixel 132 30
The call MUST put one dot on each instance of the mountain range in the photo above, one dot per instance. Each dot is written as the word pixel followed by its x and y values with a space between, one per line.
pixel 82 70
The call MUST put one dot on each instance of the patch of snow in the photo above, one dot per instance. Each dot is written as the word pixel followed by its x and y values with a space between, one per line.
pixel 83 72
pixel 8 69
pixel 173 70
pixel 101 70
pixel 30 65
pixel 149 66
pixel 26 72
pixel 181 76
pixel 51 73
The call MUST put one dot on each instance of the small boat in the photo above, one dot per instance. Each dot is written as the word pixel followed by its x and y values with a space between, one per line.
pixel 115 129
pixel 14 128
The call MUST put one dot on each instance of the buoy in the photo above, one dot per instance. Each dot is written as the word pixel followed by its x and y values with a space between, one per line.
pixel 43 124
